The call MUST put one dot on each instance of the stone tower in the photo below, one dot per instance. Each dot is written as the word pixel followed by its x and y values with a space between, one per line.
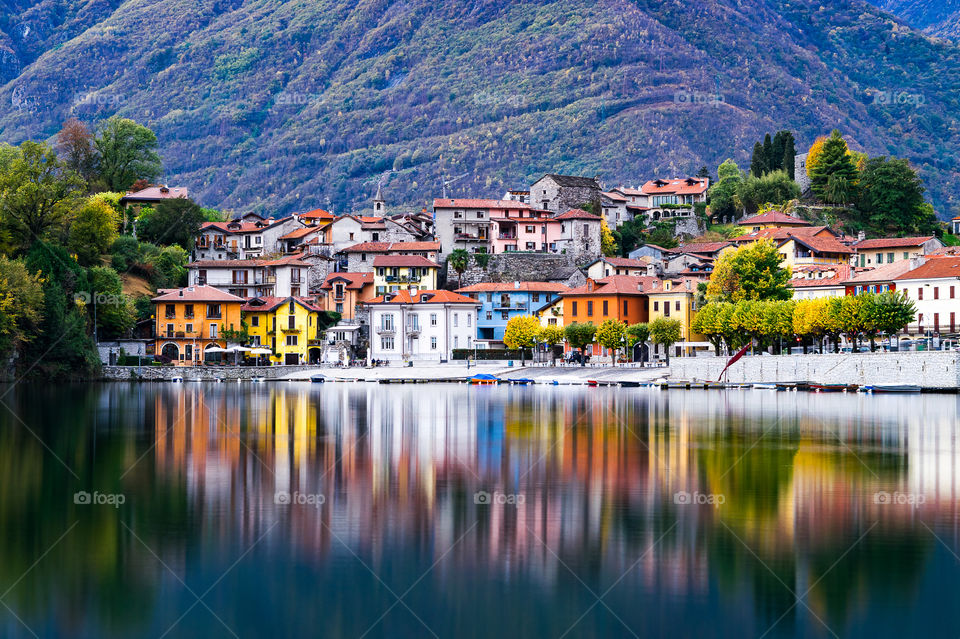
pixel 379 207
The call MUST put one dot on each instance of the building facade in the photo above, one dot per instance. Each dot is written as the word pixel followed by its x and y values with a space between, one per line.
pixel 424 326
pixel 502 301
pixel 287 326
pixel 190 320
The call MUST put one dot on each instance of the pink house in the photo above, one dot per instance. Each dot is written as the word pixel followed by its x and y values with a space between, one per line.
pixel 530 230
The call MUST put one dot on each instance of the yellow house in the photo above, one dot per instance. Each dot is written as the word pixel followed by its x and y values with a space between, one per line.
pixel 392 273
pixel 285 325
pixel 192 319
pixel 676 299
pixel 551 313
pixel 803 246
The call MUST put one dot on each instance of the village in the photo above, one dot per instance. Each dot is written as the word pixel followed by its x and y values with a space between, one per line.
pixel 442 285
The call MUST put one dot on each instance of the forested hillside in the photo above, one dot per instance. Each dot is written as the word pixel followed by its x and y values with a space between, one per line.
pixel 281 106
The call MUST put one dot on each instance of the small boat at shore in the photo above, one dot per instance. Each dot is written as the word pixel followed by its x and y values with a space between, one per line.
pixel 833 388
pixel 484 379
pixel 630 384
pixel 522 381
pixel 177 379
pixel 892 388
pixel 317 379
pixel 258 379
pixel 772 387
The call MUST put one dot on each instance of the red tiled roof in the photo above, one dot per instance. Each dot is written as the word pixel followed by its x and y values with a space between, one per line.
pixel 403 260
pixel 388 247
pixel 822 244
pixel 784 233
pixel 617 285
pixel 477 203
pixel 884 273
pixel 840 273
pixel 269 303
pixel 773 217
pixel 495 287
pixel 678 186
pixel 318 214
pixel 577 214
pixel 945 250
pixel 301 232
pixel 940 267
pixel 354 280
pixel 613 196
pixel 433 297
pixel 195 294
pixel 701 247
pixel 892 242
pixel 626 262
pixel 156 193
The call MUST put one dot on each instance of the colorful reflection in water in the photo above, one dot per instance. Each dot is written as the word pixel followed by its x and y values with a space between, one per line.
pixel 349 510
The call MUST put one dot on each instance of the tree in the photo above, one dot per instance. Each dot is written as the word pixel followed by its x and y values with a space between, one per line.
pixel 637 334
pixel 174 221
pixel 608 244
pixel 115 314
pixel 776 154
pixel 520 333
pixel 610 335
pixel 839 190
pixel 127 152
pixel 37 192
pixel 458 260
pixel 835 160
pixel 666 332
pixel 789 155
pixel 93 231
pixel 815 154
pixel 551 335
pixel 74 145
pixel 758 161
pixel 751 272
pixel 768 160
pixel 723 194
pixel 775 187
pixel 891 198
pixel 708 322
pixel 888 313
pixel 21 305
pixel 579 336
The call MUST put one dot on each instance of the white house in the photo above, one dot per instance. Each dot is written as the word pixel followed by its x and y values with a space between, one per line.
pixel 284 277
pixel 248 237
pixel 421 326
pixel 933 288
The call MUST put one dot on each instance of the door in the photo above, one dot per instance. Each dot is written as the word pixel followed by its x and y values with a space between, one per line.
pixel 291 358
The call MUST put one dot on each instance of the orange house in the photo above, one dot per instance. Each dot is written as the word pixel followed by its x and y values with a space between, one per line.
pixel 190 320
pixel 342 292
pixel 620 297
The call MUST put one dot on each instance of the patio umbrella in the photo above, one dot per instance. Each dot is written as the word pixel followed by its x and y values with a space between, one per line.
pixel 214 349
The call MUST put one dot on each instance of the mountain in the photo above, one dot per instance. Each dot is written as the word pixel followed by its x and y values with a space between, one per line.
pixel 280 106
pixel 936 17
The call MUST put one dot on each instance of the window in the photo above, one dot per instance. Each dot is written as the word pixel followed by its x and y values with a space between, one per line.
pixel 340 307
pixel 363 257
pixel 291 322
pixel 906 255
pixel 489 315
pixel 530 229
pixel 456 319
pixel 505 315
pixel 213 331
pixel 291 340
pixel 469 319
pixel 413 321
pixel 879 258
pixel 676 305
pixel 456 341
pixel 666 309
pixel 376 237
pixel 606 308
pixel 213 311
pixel 951 292
pixel 255 320
pixel 188 311
pixel 169 330
pixel 536 297
pixel 889 258
pixel 386 343
pixel 573 308
pixel 489 297
pixel 656 306
pixel 531 246
pixel 936 322
pixel 433 319
pixel 920 293
pixel 625 313
pixel 433 343
pixel 552 321
pixel 590 308
pixel 386 322
pixel 239 277
pixel 189 329
pixel 380 271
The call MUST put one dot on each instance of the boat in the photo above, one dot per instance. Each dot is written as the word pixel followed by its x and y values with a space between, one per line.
pixel 258 379
pixel 196 379
pixel 592 382
pixel 630 384
pixel 219 380
pixel 523 381
pixel 318 379
pixel 700 385
pixel 177 379
pixel 892 388
pixel 833 388
pixel 484 379
pixel 772 387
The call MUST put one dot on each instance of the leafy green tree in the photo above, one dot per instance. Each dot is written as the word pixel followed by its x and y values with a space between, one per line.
pixel 709 323
pixel 835 161
pixel 891 199
pixel 521 333
pixel 789 155
pixel 887 314
pixel 751 272
pixel 74 145
pixel 550 335
pixel 125 252
pixel 768 159
pixel 666 332
pixel 610 335
pixel 580 336
pixel 758 161
pixel 127 152
pixel 839 190
pixel 93 230
pixel 37 193
pixel 115 313
pixel 170 267
pixel 458 260
pixel 775 187
pixel 723 194
pixel 174 221
pixel 21 305
pixel 638 334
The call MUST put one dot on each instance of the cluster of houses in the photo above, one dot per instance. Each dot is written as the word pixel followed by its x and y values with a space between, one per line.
pixel 261 289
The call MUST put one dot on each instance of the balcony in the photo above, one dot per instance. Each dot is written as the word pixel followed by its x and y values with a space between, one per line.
pixel 201 281
pixel 464 237
pixel 413 330
pixel 385 330
pixel 287 329
pixel 266 279
pixel 504 236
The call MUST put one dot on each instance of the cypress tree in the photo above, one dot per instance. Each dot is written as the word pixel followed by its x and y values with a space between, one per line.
pixel 768 152
pixel 758 163
pixel 776 160
pixel 789 155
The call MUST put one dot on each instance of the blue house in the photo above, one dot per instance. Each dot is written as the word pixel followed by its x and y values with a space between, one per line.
pixel 501 301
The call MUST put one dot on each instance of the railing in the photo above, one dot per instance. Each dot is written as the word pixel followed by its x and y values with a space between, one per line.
pixel 201 281
pixel 413 330
pixel 385 330
pixel 266 279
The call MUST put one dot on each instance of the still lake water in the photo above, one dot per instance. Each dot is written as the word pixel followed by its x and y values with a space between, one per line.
pixel 603 512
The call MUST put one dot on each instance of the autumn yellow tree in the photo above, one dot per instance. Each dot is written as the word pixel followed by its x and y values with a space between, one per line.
pixel 610 335
pixel 751 272
pixel 550 335
pixel 520 333
pixel 608 244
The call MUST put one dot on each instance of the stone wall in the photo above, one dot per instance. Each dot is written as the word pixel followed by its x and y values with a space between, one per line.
pixel 931 369
pixel 162 373
pixel 692 226
pixel 510 267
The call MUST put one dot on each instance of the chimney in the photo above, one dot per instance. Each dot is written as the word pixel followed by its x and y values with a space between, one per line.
pixel 688 284
pixel 181 292
pixel 861 236
pixel 640 287
pixel 516 284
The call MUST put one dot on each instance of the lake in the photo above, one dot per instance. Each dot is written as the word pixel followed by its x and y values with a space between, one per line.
pixel 444 510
